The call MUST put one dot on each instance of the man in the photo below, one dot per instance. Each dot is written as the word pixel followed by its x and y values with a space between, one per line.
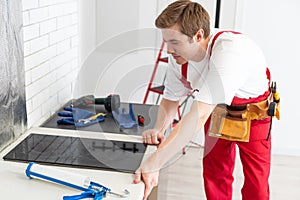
pixel 226 68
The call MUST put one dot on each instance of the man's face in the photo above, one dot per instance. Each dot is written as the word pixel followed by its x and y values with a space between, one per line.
pixel 180 46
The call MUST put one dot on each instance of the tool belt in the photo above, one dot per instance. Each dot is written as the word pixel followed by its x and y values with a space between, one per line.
pixel 233 122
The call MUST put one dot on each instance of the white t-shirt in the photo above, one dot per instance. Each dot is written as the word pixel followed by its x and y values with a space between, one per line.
pixel 236 67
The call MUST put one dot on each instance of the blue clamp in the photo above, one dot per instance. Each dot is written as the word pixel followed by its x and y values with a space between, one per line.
pixel 95 191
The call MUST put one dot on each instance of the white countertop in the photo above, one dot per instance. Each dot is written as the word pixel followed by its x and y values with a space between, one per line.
pixel 14 184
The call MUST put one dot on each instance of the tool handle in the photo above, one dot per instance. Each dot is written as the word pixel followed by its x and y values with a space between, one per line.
pixel 94 117
pixel 66 178
pixel 100 101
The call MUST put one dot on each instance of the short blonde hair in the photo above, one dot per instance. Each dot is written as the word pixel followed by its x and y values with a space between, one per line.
pixel 189 16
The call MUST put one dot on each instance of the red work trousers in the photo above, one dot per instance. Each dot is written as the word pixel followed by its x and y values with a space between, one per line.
pixel 255 155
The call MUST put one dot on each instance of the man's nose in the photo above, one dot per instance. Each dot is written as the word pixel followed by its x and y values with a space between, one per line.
pixel 170 50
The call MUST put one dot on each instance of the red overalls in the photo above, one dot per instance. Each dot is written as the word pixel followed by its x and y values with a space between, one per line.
pixel 255 155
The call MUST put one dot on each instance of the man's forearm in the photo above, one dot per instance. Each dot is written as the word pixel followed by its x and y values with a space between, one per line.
pixel 166 113
pixel 182 133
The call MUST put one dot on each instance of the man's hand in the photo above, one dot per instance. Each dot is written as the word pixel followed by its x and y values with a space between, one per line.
pixel 150 180
pixel 153 136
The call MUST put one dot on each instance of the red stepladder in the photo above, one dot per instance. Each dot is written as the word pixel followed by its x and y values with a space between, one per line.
pixel 160 89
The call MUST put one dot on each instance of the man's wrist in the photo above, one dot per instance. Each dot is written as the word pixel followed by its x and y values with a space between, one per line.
pixel 159 131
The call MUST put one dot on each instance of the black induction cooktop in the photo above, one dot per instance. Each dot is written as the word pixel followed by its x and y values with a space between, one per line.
pixel 79 152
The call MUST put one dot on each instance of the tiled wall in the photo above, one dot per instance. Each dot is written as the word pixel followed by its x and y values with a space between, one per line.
pixel 51 55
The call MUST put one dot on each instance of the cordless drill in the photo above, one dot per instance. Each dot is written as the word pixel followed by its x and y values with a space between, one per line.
pixel 111 102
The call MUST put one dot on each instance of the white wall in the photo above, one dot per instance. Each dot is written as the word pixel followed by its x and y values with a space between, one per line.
pixel 119 38
pixel 50 51
pixel 228 14
pixel 87 32
pixel 274 25
pixel 136 51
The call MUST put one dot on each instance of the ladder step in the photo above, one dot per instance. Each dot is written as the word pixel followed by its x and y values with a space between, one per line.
pixel 163 59
pixel 158 89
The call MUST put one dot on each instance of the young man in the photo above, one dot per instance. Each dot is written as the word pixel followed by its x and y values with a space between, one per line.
pixel 226 68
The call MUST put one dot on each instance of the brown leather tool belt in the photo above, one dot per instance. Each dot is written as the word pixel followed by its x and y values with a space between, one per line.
pixel 233 122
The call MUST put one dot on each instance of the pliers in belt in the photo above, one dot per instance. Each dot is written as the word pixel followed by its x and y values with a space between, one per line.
pixel 274 92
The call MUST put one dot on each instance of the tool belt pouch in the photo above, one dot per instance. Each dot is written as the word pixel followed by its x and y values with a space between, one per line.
pixel 230 124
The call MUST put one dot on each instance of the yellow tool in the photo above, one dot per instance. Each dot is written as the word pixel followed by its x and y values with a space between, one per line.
pixel 274 107
pixel 97 115
pixel 276 99
pixel 94 117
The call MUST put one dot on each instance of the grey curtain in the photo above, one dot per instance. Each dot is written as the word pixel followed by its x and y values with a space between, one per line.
pixel 12 76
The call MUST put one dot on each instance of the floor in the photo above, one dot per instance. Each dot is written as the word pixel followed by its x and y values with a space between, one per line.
pixel 182 179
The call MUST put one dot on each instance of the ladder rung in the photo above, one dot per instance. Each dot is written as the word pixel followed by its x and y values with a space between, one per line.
pixel 158 89
pixel 164 59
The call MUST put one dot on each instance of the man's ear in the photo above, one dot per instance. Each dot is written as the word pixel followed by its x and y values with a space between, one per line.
pixel 199 35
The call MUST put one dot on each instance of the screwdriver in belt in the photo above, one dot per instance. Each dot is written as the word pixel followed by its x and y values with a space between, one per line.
pixel 277 100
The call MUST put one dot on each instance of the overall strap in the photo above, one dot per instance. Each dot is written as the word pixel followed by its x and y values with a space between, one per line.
pixel 236 100
pixel 215 38
pixel 184 67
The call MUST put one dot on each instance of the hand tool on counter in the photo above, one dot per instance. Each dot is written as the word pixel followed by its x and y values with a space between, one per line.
pixel 90 189
pixel 92 118
pixel 111 102
pixel 79 117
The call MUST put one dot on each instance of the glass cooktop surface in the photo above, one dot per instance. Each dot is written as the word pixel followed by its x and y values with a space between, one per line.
pixel 79 152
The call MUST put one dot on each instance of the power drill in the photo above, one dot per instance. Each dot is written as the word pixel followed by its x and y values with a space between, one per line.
pixel 111 102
